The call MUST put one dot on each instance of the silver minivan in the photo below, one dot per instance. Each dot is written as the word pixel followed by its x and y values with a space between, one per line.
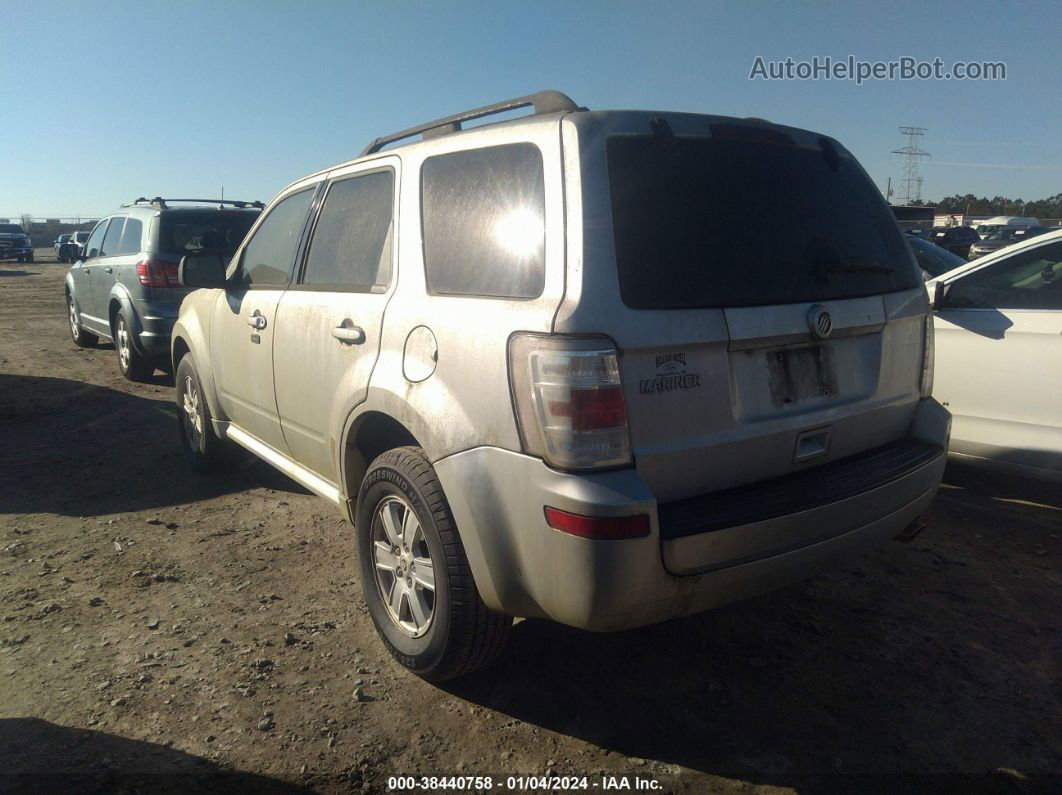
pixel 605 368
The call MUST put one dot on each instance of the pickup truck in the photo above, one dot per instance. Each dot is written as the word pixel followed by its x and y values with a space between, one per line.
pixel 15 243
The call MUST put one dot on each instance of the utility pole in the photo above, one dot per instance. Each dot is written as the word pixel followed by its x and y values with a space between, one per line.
pixel 912 154
pixel 888 191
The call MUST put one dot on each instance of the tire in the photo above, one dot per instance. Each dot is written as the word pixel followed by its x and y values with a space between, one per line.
pixel 82 338
pixel 203 449
pixel 131 362
pixel 454 633
pixel 29 257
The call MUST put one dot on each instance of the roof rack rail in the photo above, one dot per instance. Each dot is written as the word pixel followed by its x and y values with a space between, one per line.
pixel 542 101
pixel 161 203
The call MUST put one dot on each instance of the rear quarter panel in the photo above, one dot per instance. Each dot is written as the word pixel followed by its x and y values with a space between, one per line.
pixel 465 402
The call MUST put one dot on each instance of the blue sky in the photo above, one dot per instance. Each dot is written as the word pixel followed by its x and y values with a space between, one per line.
pixel 110 100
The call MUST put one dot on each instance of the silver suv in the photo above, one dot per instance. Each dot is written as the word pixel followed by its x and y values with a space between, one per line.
pixel 552 367
pixel 123 285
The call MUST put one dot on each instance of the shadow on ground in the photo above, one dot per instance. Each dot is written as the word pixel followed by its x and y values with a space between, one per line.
pixel 929 665
pixel 39 756
pixel 982 484
pixel 78 449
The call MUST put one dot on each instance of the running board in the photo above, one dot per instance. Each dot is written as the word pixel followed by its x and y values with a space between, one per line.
pixel 301 475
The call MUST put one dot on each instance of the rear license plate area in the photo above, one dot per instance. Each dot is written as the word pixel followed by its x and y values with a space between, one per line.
pixel 797 374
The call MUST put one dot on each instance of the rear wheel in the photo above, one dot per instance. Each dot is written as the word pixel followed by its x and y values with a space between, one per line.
pixel 415 576
pixel 132 363
pixel 203 448
pixel 81 337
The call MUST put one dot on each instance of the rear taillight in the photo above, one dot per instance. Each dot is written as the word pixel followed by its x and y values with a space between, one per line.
pixel 597 527
pixel 569 400
pixel 927 358
pixel 153 273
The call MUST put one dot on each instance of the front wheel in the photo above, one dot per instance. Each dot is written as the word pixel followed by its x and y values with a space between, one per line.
pixel 131 362
pixel 198 441
pixel 82 338
pixel 416 579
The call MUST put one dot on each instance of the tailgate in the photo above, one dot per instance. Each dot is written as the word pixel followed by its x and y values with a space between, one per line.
pixel 721 398
pixel 772 316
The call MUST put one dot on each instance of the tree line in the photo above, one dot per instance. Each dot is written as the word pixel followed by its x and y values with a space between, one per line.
pixel 969 204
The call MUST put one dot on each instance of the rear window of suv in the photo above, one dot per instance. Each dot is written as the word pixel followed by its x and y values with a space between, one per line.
pixel 183 232
pixel 748 221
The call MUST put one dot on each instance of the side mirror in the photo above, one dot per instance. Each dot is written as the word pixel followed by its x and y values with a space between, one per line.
pixel 201 270
pixel 940 291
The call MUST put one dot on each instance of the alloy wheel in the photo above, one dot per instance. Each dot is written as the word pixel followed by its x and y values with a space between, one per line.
pixel 191 413
pixel 75 326
pixel 122 333
pixel 405 572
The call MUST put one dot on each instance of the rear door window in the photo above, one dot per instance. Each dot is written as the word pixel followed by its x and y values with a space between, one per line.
pixel 111 243
pixel 483 222
pixel 351 245
pixel 747 219
pixel 130 243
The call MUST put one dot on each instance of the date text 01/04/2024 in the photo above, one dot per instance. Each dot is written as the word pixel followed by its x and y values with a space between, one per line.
pixel 520 783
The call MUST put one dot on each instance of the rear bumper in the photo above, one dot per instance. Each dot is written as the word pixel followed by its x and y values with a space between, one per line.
pixel 523 567
pixel 156 319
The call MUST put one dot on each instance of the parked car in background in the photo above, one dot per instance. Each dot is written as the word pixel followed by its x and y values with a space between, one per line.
pixel 540 424
pixel 956 239
pixel 912 219
pixel 68 248
pixel 1004 236
pixel 124 285
pixel 932 259
pixel 998 324
pixel 987 227
pixel 59 244
pixel 15 243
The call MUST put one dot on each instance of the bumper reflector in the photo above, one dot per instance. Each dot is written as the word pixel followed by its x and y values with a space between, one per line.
pixel 598 527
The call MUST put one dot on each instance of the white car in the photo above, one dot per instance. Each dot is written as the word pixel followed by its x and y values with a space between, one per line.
pixel 999 356
pixel 985 228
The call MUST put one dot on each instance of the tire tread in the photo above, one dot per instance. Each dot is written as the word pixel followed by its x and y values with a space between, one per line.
pixel 477 634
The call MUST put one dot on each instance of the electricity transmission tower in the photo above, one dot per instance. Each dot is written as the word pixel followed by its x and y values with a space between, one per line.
pixel 911 182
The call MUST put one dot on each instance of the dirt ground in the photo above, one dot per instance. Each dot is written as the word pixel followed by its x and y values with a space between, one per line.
pixel 164 630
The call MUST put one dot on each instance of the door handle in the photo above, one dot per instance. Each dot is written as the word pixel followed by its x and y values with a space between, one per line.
pixel 108 270
pixel 353 335
pixel 257 321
